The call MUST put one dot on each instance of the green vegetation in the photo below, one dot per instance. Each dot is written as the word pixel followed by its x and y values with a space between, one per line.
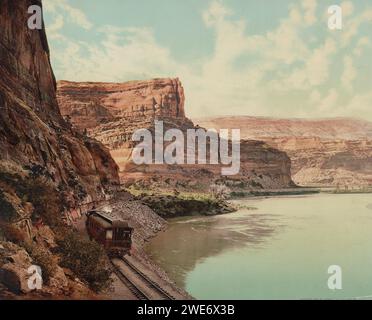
pixel 87 259
pixel 42 258
pixel 183 195
pixel 274 193
pixel 350 190
pixel 35 188
pixel 46 201
pixel 21 186
pixel 175 203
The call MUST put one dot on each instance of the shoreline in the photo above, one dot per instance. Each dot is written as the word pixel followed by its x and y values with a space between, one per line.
pixel 295 192
pixel 236 195
pixel 141 254
pixel 148 225
pixel 199 262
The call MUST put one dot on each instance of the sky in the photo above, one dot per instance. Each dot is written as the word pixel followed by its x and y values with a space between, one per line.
pixel 234 57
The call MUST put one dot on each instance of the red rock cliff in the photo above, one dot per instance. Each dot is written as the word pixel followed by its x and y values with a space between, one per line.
pixel 112 112
pixel 90 104
pixel 32 130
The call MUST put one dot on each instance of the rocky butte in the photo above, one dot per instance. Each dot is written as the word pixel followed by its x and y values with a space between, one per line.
pixel 111 112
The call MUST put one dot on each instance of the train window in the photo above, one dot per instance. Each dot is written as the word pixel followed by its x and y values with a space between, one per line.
pixel 109 235
pixel 120 234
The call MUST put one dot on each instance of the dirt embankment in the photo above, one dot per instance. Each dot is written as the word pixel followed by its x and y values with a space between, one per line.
pixel 147 224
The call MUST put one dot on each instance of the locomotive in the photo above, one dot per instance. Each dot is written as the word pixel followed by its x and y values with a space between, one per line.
pixel 114 234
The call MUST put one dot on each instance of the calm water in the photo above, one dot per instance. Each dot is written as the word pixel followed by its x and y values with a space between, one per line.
pixel 281 250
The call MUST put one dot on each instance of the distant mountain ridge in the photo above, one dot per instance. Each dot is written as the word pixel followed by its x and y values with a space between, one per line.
pixel 323 152
pixel 326 128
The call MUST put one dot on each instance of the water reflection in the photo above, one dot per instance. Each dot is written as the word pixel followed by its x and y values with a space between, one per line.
pixel 280 251
pixel 195 239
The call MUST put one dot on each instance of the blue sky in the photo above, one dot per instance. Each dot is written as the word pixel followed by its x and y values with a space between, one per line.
pixel 240 57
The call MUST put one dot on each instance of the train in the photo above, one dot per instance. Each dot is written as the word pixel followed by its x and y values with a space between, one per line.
pixel 114 234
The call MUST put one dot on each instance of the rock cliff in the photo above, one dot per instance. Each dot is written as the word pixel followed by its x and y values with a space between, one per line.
pixel 324 152
pixel 90 104
pixel 112 112
pixel 46 167
pixel 32 130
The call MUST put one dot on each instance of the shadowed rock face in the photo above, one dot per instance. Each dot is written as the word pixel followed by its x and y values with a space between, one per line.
pixel 32 130
pixel 112 112
pixel 323 152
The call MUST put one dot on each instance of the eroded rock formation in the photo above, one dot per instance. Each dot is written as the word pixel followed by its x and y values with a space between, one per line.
pixel 329 152
pixel 46 167
pixel 112 112
pixel 90 104
pixel 32 130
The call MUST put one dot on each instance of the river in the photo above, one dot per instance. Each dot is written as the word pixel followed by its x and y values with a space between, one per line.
pixel 281 250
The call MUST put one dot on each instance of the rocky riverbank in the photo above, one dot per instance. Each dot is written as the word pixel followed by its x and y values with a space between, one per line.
pixel 147 224
pixel 171 206
pixel 274 192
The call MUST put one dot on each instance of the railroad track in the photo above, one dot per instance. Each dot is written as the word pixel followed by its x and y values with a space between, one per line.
pixel 139 294
pixel 163 295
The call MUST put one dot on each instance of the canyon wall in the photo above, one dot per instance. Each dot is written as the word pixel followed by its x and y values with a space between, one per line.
pixel 90 104
pixel 111 112
pixel 324 152
pixel 47 169
pixel 33 133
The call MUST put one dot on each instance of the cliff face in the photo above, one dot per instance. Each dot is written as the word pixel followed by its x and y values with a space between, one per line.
pixel 32 130
pixel 112 112
pixel 326 152
pixel 90 104
pixel 46 168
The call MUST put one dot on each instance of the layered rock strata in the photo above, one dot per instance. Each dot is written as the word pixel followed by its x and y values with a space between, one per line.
pixel 324 152
pixel 45 165
pixel 111 112
pixel 32 130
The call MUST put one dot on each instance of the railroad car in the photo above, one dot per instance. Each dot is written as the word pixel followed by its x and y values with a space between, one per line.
pixel 114 234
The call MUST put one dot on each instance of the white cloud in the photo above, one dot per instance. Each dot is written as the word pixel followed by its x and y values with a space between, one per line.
pixel 347 8
pixel 360 105
pixel 55 27
pixel 362 43
pixel 319 62
pixel 329 102
pixel 310 15
pixel 285 74
pixel 349 73
pixel 352 25
pixel 215 14
pixel 75 15
pixel 124 52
